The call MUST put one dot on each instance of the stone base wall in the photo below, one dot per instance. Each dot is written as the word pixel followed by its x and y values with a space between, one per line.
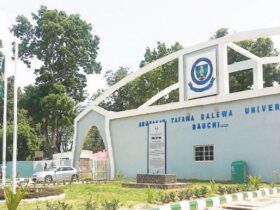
pixel 156 178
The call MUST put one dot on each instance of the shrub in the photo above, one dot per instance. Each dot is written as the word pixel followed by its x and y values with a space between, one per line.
pixel 150 195
pixel 204 191
pixel 221 190
pixel 197 192
pixel 13 200
pixel 213 188
pixel 172 196
pixel 60 205
pixel 229 189
pixel 164 197
pixel 181 195
pixel 90 204
pixel 244 187
pixel 238 188
pixel 110 204
pixel 185 194
pixel 254 182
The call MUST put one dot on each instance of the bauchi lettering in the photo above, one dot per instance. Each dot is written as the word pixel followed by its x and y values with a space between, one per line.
pixel 214 115
pixel 262 108
pixel 205 125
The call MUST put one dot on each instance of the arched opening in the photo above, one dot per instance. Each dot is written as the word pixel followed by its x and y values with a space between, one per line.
pixel 94 158
pixel 93 141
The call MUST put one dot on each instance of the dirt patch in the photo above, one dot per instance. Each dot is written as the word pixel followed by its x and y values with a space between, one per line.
pixel 37 193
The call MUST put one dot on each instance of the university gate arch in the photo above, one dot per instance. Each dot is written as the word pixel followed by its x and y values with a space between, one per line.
pixel 216 85
pixel 92 116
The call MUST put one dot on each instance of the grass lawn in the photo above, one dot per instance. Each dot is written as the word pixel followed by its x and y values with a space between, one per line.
pixel 77 195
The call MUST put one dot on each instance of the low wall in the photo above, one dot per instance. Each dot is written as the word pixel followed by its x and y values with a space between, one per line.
pixel 27 168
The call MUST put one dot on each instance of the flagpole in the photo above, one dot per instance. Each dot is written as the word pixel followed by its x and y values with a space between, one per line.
pixel 4 125
pixel 15 122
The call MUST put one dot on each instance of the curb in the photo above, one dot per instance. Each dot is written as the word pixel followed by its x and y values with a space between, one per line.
pixel 201 204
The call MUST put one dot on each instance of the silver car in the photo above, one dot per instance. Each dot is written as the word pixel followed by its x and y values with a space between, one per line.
pixel 56 174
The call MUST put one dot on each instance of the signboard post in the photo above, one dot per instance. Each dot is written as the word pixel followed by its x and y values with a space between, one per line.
pixel 157 148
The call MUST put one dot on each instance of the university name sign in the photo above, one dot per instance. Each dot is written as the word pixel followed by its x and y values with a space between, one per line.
pixel 190 118
pixel 213 119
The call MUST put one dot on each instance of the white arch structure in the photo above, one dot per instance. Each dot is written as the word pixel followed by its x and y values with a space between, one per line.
pixel 254 62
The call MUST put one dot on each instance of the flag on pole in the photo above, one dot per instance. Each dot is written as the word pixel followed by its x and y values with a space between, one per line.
pixel 2 69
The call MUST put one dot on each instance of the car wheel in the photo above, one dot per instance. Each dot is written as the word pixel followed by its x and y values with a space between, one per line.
pixel 74 177
pixel 48 179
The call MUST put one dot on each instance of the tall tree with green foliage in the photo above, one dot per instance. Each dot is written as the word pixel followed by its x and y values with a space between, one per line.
pixel 156 80
pixel 29 137
pixel 58 114
pixel 262 47
pixel 94 141
pixel 137 92
pixel 67 50
pixel 55 113
pixel 65 46
pixel 119 100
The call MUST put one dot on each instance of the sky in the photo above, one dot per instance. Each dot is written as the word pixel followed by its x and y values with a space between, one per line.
pixel 127 27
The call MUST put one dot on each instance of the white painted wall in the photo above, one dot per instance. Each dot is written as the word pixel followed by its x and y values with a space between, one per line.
pixel 253 138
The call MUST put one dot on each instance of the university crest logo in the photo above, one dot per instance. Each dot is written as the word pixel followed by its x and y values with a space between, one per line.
pixel 201 75
pixel 156 128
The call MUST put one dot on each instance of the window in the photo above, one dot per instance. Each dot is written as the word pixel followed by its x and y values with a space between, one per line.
pixel 68 169
pixel 59 169
pixel 204 153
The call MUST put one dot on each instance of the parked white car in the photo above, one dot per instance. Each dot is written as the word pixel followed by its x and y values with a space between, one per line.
pixel 56 174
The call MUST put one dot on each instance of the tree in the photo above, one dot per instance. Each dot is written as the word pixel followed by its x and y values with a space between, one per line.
pixel 53 111
pixel 156 80
pixel 118 101
pixel 29 138
pixel 159 78
pixel 146 86
pixel 94 141
pixel 261 47
pixel 67 50
pixel 65 46
pixel 220 33
pixel 57 118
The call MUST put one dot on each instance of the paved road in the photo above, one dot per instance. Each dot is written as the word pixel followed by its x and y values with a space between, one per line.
pixel 271 202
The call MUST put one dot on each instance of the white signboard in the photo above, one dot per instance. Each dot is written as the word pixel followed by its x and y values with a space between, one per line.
pixel 156 148
pixel 201 73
